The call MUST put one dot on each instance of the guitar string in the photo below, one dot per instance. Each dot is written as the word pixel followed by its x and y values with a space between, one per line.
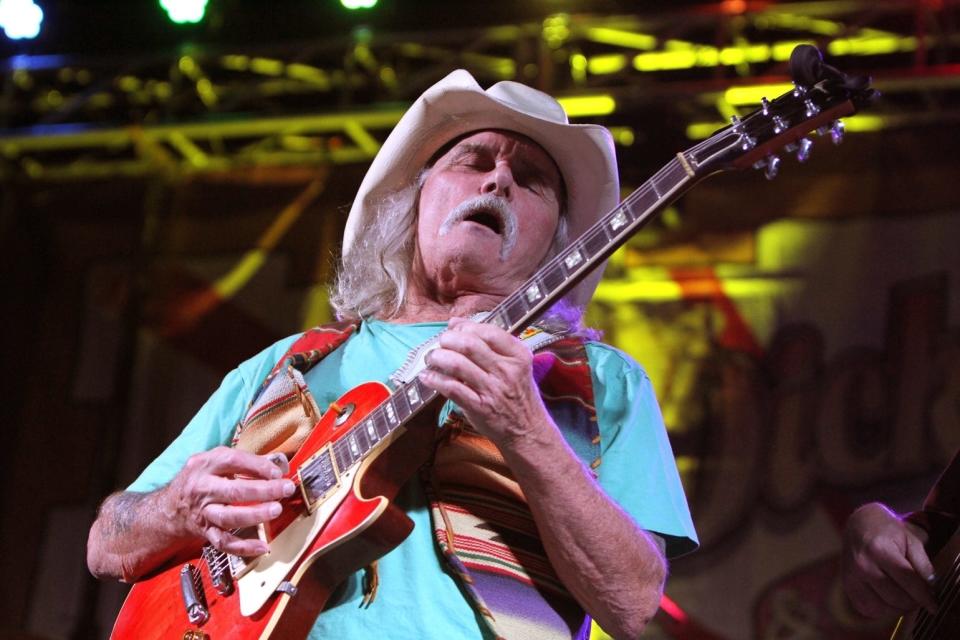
pixel 948 588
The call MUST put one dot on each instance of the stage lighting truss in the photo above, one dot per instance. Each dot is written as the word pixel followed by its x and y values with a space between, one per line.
pixel 335 101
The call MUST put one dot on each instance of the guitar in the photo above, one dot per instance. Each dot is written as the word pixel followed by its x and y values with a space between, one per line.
pixel 945 623
pixel 341 518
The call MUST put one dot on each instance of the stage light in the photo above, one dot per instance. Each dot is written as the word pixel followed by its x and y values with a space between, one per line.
pixel 20 18
pixel 583 106
pixel 358 4
pixel 184 11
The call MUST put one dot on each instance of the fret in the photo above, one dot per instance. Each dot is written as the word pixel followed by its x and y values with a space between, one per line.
pixel 500 318
pixel 618 222
pixel 412 393
pixel 390 413
pixel 533 291
pixel 380 420
pixel 361 437
pixel 401 405
pixel 552 277
pixel 594 242
pixel 343 460
pixel 668 180
pixel 369 427
pixel 513 308
pixel 573 258
pixel 353 446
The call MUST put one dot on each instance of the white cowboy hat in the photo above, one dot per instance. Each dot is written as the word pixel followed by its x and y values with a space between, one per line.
pixel 457 105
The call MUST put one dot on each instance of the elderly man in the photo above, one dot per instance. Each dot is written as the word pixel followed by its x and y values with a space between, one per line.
pixel 552 495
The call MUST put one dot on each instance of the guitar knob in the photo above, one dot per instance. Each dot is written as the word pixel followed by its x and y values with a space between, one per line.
pixel 803 150
pixel 836 132
pixel 773 167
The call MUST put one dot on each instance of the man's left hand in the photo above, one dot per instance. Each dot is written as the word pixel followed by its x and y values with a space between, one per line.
pixel 488 373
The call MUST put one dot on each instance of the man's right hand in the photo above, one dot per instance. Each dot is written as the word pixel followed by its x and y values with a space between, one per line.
pixel 215 492
pixel 224 489
pixel 885 570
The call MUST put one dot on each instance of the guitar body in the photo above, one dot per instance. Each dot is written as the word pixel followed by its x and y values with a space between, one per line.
pixel 362 527
pixel 945 625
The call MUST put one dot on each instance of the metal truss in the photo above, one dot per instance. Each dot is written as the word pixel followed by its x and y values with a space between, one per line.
pixel 334 101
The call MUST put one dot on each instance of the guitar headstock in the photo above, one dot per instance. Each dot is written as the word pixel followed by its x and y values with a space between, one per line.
pixel 821 96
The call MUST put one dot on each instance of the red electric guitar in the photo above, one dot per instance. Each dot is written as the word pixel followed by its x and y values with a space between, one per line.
pixel 341 518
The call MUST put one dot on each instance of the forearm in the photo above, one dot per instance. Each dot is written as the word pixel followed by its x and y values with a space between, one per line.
pixel 132 535
pixel 612 567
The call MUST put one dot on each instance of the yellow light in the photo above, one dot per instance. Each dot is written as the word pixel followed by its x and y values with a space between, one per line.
pixel 623 136
pixel 582 106
pixel 612 63
pixel 871 46
pixel 703 130
pixel 665 60
pixel 751 94
pixel 266 66
pixel 863 122
pixel 621 38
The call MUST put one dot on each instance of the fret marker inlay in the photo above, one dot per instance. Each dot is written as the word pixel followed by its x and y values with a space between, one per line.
pixel 619 220
pixel 533 293
pixel 573 259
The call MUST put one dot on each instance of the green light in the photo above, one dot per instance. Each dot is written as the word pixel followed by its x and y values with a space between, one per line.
pixel 358 4
pixel 185 11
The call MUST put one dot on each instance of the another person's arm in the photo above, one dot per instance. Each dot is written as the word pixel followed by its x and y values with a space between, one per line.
pixel 886 570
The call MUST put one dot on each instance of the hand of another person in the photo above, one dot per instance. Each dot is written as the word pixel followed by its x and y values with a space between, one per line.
pixel 224 489
pixel 488 373
pixel 885 568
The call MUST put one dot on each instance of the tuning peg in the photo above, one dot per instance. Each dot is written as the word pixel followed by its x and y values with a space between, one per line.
pixel 803 151
pixel 773 167
pixel 765 106
pixel 836 132
pixel 779 124
pixel 811 109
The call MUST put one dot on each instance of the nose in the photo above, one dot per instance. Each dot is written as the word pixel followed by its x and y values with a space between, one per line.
pixel 498 181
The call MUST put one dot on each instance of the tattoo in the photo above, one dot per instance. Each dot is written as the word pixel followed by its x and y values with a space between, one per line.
pixel 124 509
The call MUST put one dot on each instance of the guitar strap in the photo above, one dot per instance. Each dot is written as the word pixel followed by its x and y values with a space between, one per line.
pixel 480 518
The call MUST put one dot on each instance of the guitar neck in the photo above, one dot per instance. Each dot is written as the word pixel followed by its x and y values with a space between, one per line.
pixel 573 264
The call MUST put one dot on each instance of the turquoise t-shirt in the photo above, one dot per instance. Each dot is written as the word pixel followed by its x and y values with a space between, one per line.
pixel 417 596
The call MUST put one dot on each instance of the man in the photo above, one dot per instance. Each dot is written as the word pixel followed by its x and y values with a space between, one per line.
pixel 886 557
pixel 542 502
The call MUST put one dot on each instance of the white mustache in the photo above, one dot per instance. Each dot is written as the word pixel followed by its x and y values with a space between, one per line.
pixel 490 204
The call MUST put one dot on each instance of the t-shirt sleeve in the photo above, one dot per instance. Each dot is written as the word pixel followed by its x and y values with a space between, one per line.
pixel 637 467
pixel 214 423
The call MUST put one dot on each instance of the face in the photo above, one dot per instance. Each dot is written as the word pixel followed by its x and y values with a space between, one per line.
pixel 488 212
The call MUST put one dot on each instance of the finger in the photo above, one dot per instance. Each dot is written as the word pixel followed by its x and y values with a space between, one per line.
pixel 228 517
pixel 470 345
pixel 225 461
pixel 453 364
pixel 498 340
pixel 922 587
pixel 866 601
pixel 244 490
pixel 451 388
pixel 892 593
pixel 229 543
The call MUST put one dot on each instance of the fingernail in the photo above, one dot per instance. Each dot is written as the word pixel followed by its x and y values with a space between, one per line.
pixel 288 488
pixel 932 578
pixel 275 509
pixel 276 472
